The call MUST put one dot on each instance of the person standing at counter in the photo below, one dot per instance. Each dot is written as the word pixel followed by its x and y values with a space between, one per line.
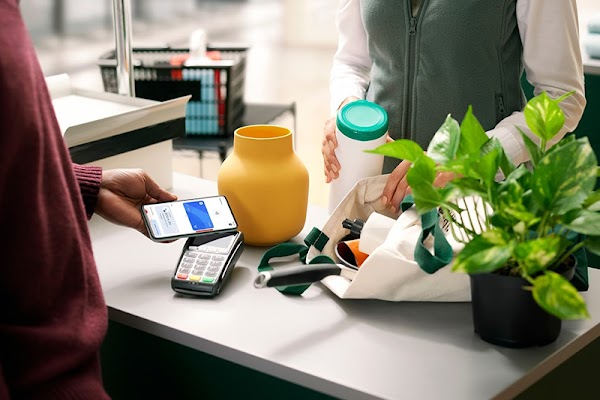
pixel 53 317
pixel 423 59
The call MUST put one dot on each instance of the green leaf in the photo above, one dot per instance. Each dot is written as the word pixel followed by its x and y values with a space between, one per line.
pixel 538 254
pixel 533 149
pixel 402 149
pixel 509 197
pixel 488 163
pixel 520 228
pixel 472 134
pixel 510 207
pixel 506 165
pixel 465 186
pixel 484 253
pixel 562 142
pixel 558 297
pixel 564 96
pixel 516 175
pixel 543 116
pixel 521 215
pixel 583 221
pixel 564 178
pixel 592 243
pixel 508 217
pixel 426 197
pixel 444 145
pixel 592 203
pixel 420 177
pixel 421 171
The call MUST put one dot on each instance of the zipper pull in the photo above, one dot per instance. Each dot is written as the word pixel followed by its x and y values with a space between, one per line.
pixel 413 26
pixel 500 105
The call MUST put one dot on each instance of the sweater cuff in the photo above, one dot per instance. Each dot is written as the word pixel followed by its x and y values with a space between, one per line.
pixel 89 179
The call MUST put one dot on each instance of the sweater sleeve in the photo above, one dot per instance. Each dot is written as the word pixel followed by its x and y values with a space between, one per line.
pixel 89 179
pixel 351 66
pixel 552 59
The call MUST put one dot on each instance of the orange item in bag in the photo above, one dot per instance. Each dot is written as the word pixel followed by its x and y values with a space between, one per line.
pixel 349 254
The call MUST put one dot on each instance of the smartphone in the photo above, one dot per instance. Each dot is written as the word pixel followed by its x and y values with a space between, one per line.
pixel 206 263
pixel 184 218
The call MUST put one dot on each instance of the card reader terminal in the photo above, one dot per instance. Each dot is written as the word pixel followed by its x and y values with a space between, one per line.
pixel 206 263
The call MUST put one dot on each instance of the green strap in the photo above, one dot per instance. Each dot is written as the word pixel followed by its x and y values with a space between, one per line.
pixel 315 238
pixel 428 262
pixel 442 251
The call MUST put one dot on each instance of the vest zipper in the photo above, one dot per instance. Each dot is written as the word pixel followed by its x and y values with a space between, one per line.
pixel 500 109
pixel 410 75
pixel 413 26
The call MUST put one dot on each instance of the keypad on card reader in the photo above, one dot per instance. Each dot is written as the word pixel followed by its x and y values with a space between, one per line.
pixel 201 264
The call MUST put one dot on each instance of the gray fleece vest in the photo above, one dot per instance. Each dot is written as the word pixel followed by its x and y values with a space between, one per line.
pixel 451 54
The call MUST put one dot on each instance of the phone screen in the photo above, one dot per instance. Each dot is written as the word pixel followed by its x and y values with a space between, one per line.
pixel 188 217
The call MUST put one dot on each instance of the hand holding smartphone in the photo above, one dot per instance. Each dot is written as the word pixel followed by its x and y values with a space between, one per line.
pixel 213 246
pixel 183 218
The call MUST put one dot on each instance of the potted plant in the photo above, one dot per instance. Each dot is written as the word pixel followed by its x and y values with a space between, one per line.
pixel 525 228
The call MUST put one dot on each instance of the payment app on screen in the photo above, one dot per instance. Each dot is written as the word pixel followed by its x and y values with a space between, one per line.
pixel 189 217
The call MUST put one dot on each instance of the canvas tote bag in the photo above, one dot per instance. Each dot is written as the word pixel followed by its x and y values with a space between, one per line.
pixel 413 263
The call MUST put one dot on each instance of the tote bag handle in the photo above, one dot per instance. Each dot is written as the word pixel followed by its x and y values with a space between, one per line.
pixel 428 261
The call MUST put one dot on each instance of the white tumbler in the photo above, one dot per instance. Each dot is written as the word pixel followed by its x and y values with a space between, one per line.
pixel 360 125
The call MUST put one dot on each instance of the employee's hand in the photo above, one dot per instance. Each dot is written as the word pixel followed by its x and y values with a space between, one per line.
pixel 123 192
pixel 397 188
pixel 331 164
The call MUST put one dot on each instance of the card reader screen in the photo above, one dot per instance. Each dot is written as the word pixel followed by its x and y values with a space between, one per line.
pixel 189 217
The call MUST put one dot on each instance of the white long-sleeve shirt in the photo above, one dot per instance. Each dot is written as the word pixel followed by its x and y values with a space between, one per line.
pixel 549 31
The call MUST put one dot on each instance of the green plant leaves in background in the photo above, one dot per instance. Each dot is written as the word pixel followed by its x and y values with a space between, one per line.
pixel 472 134
pixel 533 149
pixel 564 178
pixel 420 177
pixel 535 207
pixel 583 221
pixel 511 207
pixel 536 254
pixel 444 145
pixel 592 203
pixel 464 186
pixel 558 297
pixel 422 171
pixel 592 243
pixel 488 163
pixel 484 253
pixel 402 149
pixel 544 117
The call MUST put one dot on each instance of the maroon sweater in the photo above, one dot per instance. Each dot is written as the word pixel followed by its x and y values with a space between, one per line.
pixel 52 311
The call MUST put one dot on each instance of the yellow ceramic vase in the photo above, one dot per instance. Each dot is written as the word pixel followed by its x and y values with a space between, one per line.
pixel 266 184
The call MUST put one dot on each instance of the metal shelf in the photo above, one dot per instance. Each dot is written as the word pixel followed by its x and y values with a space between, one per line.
pixel 254 114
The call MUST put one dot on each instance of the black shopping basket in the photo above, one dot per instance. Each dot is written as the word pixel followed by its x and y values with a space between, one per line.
pixel 217 87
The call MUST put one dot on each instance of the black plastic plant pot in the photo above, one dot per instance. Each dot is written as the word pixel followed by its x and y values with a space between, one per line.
pixel 505 314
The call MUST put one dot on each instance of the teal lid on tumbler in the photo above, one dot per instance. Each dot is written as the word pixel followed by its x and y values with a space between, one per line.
pixel 362 120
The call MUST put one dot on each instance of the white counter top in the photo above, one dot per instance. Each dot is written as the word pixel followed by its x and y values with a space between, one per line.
pixel 351 349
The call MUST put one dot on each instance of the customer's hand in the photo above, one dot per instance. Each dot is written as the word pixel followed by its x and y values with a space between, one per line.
pixel 123 192
pixel 331 164
pixel 397 188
